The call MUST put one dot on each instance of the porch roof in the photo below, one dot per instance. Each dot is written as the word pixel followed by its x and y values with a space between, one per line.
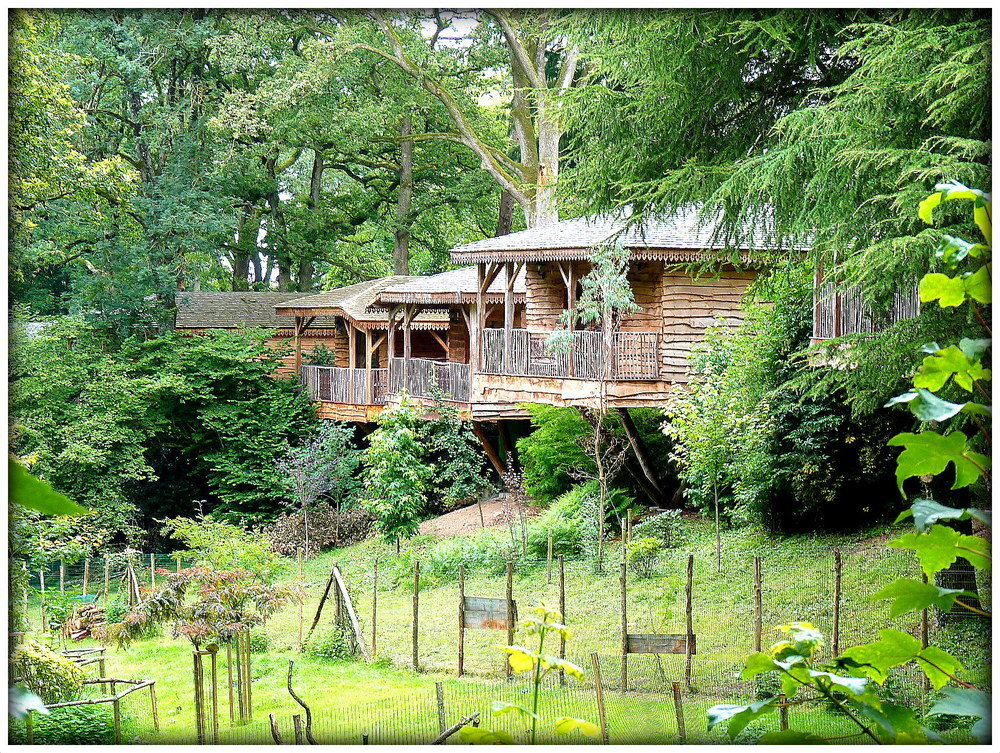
pixel 230 310
pixel 683 236
pixel 355 304
pixel 448 288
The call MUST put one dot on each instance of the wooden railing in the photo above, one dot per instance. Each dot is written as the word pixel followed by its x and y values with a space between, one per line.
pixel 634 355
pixel 335 384
pixel 844 312
pixel 424 378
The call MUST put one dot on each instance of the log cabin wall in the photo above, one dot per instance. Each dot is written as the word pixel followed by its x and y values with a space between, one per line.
pixel 458 338
pixel 331 339
pixel 690 306
pixel 646 279
pixel 545 296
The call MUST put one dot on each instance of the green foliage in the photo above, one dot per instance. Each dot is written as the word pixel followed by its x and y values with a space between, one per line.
pixel 27 491
pixel 225 546
pixel 568 534
pixel 52 677
pixel 643 554
pixel 552 451
pixel 665 526
pixel 260 642
pixel 333 643
pixel 397 473
pixel 73 725
pixel 461 474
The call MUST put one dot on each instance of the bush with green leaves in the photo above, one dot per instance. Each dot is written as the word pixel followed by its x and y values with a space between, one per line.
pixel 72 725
pixel 667 526
pixel 51 677
pixel 227 546
pixel 552 453
pixel 260 642
pixel 568 536
pixel 643 555
pixel 332 643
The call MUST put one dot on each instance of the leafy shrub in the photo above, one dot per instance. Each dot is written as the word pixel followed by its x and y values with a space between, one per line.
pixel 568 536
pixel 288 532
pixel 552 451
pixel 331 644
pixel 260 642
pixel 665 526
pixel 320 356
pixel 52 677
pixel 225 546
pixel 72 725
pixel 115 611
pixel 642 556
pixel 486 552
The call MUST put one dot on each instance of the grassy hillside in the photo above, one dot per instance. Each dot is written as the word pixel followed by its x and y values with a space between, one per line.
pixel 797 585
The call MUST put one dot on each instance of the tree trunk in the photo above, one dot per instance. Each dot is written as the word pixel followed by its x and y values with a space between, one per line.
pixel 401 243
pixel 505 218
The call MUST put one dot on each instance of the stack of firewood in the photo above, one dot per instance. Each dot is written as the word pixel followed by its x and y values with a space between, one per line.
pixel 84 619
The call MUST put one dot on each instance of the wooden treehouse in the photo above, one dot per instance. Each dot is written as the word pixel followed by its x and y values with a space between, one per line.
pixel 839 312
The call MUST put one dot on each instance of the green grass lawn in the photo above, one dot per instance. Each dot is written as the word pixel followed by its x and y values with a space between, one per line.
pixel 391 703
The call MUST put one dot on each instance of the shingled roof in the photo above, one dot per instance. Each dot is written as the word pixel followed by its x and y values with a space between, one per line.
pixel 229 310
pixel 456 286
pixel 355 303
pixel 681 236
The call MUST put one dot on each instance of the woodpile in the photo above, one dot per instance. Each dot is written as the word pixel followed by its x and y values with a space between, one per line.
pixel 83 620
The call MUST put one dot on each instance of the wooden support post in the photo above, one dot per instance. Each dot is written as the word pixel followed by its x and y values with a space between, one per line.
pixel 599 689
pixel 116 710
pixel 368 367
pixel 837 569
pixel 510 608
pixel 199 699
pixel 783 712
pixel 152 572
pixel 300 738
pixel 178 557
pixel 498 465
pixel 571 306
pixel 298 346
pixel 689 621
pixel 214 669
pixel 86 575
pixel 758 606
pixel 461 620
pixel 374 609
pixel 562 611
pixel 352 347
pixel 646 464
pixel 41 600
pixel 623 580
pixel 152 704
pixel 407 344
pixel 476 331
pixel 301 620
pixel 508 314
pixel 679 713
pixel 229 682
pixel 62 576
pixel 416 615
pixel 439 693
pixel 548 578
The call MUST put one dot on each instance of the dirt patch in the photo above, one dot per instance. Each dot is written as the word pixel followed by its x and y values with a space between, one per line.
pixel 466 520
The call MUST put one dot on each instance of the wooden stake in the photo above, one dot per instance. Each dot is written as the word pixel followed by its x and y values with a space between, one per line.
pixel 461 620
pixel 301 602
pixel 249 679
pixel 599 687
pixel 275 734
pixel 152 705
pixel 562 611
pixel 623 580
pixel 374 608
pixel 439 692
pixel 116 708
pixel 689 620
pixel 199 707
pixel 152 572
pixel 758 605
pixel 229 678
pixel 783 712
pixel 837 568
pixel 679 713
pixel 178 557
pixel 300 738
pixel 213 665
pixel 510 608
pixel 416 615
pixel 86 575
pixel 62 576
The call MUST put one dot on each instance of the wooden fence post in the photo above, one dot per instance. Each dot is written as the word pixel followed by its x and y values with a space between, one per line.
pixel 199 700
pixel 338 601
pixel 107 581
pixel 213 668
pixel 374 608
pixel 599 690
pixel 152 572
pixel 461 619
pixel 439 693
pixel 229 679
pixel 300 738
pixel 86 575
pixel 248 688
pixel 152 705
pixel 837 569
pixel 116 709
pixel 783 712
pixel 301 601
pixel 562 611
pixel 689 620
pixel 41 600
pixel 679 713
pixel 623 579
pixel 758 605
pixel 549 575
pixel 510 608
pixel 178 557
pixel 62 576
pixel 416 614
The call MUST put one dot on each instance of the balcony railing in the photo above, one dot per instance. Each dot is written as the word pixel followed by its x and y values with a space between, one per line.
pixel 335 384
pixel 634 355
pixel 424 378
pixel 844 312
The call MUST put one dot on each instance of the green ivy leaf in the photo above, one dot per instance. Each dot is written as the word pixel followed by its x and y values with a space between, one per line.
pixel 974 347
pixel 976 550
pixel 947 291
pixel 480 736
pixel 938 665
pixel 913 595
pixel 952 250
pixel 566 725
pixel 967 702
pixel 856 686
pixel 927 406
pixel 520 658
pixel 936 369
pixel 28 491
pixel 758 664
pixel 738 717
pixel 978 285
pixel 893 649
pixel 927 512
pixel 929 453
pixel 502 707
